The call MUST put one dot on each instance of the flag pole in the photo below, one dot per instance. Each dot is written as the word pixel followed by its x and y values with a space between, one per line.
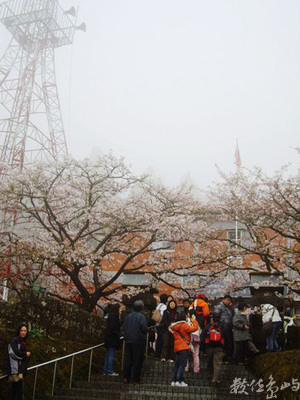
pixel 238 163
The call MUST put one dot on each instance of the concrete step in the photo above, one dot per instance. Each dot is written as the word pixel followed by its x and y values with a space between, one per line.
pixel 158 365
pixel 202 374
pixel 153 390
pixel 160 382
pixel 141 395
pixel 157 386
pixel 162 375
pixel 164 367
pixel 192 381
pixel 143 388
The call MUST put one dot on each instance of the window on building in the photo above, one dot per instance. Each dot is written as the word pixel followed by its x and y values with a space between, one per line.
pixel 162 245
pixel 135 280
pixel 235 236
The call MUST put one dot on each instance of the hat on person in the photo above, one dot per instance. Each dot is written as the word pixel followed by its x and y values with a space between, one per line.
pixel 201 296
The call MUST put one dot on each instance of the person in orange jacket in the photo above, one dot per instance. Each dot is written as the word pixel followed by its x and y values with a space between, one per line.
pixel 182 330
pixel 201 308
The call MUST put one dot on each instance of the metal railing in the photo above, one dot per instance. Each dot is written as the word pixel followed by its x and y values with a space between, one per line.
pixel 73 355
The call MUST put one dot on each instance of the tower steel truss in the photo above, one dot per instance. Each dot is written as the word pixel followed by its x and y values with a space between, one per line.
pixel 31 125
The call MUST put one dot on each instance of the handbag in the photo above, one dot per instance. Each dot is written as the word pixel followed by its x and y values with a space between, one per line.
pixel 15 378
pixel 267 326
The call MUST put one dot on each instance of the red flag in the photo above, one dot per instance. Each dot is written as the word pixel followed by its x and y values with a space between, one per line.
pixel 238 160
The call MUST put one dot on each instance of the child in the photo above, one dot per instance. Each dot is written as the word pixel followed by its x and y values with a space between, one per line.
pixel 195 337
pixel 182 337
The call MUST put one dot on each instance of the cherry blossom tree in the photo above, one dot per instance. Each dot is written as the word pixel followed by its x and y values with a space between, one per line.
pixel 84 224
pixel 267 208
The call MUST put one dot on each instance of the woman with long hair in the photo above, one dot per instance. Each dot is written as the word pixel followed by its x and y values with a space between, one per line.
pixel 18 361
pixel 169 316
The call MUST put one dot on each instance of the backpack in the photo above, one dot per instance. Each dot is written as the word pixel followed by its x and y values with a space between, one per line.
pixel 156 316
pixel 214 335
pixel 195 338
pixel 199 315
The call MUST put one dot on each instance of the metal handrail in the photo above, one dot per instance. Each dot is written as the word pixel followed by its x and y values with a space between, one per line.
pixel 73 355
pixel 60 358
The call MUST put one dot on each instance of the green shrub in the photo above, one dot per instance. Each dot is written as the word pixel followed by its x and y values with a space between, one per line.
pixel 45 349
pixel 284 367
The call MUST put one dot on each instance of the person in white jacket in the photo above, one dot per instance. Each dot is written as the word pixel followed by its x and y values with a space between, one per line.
pixel 270 313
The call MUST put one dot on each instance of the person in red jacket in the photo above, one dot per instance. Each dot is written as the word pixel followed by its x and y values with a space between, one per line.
pixel 182 330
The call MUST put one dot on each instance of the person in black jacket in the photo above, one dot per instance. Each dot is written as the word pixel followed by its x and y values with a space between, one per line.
pixel 111 339
pixel 224 312
pixel 135 332
pixel 18 361
pixel 169 316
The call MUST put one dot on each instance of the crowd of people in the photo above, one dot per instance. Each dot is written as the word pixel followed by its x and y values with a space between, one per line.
pixel 183 334
pixel 178 334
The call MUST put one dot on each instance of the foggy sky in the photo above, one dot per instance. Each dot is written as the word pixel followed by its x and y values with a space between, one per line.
pixel 171 84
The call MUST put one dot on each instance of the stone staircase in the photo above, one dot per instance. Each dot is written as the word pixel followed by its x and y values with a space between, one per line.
pixel 156 385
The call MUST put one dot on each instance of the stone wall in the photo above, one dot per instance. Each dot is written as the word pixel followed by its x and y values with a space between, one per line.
pixel 52 317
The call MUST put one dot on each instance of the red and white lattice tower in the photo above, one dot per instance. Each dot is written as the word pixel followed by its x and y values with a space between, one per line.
pixel 31 126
